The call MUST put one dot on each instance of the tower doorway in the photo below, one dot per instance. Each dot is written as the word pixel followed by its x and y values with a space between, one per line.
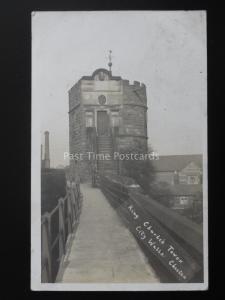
pixel 102 123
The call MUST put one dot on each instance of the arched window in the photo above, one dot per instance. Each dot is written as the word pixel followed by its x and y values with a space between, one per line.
pixel 101 76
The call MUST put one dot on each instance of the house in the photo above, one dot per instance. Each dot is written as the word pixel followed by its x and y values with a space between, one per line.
pixel 184 196
pixel 179 183
pixel 179 169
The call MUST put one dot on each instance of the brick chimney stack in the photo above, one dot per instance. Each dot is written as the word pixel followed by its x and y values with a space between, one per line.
pixel 47 156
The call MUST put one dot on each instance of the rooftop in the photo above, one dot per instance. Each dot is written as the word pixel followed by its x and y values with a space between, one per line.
pixel 185 189
pixel 176 162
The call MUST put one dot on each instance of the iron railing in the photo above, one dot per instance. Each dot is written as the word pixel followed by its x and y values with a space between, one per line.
pixel 56 228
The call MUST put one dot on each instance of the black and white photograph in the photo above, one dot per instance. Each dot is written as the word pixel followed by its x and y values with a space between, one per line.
pixel 119 197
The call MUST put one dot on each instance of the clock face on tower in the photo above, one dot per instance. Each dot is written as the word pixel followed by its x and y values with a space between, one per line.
pixel 102 99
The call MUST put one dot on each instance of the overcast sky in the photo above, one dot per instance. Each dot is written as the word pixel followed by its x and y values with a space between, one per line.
pixel 164 50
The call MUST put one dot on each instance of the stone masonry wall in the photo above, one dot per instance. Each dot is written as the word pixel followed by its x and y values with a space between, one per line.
pixel 77 130
pixel 134 109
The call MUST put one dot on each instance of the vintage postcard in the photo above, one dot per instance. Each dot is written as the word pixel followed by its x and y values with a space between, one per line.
pixel 119 151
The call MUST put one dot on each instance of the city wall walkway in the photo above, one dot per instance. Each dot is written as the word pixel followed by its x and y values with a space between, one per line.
pixel 103 249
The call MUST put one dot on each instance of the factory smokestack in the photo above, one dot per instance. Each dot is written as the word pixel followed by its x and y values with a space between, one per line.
pixel 41 152
pixel 47 156
pixel 42 161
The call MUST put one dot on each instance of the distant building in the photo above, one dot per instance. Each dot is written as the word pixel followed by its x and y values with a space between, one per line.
pixel 106 114
pixel 185 195
pixel 179 169
pixel 179 181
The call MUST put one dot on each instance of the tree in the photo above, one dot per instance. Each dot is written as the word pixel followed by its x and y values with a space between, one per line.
pixel 144 173
pixel 141 170
pixel 161 192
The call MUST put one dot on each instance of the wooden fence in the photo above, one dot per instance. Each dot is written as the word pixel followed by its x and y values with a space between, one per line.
pixel 56 228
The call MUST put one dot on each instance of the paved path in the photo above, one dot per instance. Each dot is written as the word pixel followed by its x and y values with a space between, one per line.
pixel 103 249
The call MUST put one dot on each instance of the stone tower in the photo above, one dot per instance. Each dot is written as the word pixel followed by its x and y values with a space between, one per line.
pixel 106 114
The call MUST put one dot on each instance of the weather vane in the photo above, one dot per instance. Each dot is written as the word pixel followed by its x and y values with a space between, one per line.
pixel 110 60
